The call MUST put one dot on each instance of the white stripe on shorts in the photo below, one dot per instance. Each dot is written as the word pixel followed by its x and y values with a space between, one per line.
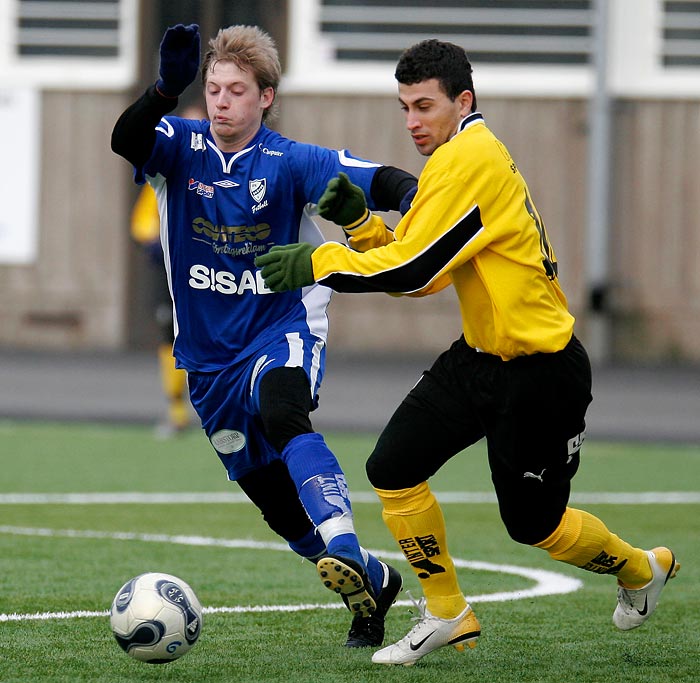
pixel 296 350
pixel 315 364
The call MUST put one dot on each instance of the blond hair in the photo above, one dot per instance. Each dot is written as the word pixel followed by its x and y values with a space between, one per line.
pixel 250 49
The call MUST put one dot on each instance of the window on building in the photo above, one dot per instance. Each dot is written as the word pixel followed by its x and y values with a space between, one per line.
pixel 71 43
pixel 533 48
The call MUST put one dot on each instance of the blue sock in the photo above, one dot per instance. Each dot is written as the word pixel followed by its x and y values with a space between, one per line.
pixel 375 571
pixel 306 456
pixel 323 492
pixel 310 546
pixel 329 509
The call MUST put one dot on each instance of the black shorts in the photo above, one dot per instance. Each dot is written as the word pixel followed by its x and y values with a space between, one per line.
pixel 531 410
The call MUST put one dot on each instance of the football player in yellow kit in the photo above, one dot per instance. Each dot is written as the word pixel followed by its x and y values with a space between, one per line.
pixel 517 376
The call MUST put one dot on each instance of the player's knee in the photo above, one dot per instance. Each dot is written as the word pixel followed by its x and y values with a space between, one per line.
pixel 380 473
pixel 374 470
pixel 522 535
pixel 285 403
pixel 281 426
pixel 282 422
pixel 530 530
pixel 392 467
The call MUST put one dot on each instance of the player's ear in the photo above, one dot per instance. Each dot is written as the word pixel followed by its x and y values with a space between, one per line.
pixel 267 97
pixel 465 98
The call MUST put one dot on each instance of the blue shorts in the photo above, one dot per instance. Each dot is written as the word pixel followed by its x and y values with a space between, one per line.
pixel 228 405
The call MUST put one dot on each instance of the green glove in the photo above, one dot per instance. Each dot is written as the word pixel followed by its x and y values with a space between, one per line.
pixel 342 202
pixel 287 267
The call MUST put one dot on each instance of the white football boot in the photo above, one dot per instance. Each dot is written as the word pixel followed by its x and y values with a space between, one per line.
pixel 635 606
pixel 431 633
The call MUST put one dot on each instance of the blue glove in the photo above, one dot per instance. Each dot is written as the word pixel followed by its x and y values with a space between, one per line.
pixel 287 267
pixel 179 59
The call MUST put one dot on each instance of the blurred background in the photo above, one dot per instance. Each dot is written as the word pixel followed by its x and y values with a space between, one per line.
pixel 597 101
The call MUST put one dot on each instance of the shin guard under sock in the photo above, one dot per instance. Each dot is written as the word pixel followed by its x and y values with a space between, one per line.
pixel 323 492
pixel 415 519
pixel 583 540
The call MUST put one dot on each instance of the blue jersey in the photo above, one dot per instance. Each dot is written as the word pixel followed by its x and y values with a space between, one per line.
pixel 218 212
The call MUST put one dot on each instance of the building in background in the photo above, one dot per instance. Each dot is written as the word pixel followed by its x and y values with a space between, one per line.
pixel 68 68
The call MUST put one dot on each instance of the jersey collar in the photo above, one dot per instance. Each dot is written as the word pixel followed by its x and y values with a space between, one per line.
pixel 470 120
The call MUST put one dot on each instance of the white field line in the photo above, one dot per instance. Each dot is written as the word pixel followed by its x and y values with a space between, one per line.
pixel 545 582
pixel 128 497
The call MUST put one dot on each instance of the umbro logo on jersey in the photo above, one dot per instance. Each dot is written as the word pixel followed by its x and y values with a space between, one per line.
pixel 226 183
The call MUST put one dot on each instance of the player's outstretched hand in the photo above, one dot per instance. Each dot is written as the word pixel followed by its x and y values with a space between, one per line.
pixel 287 267
pixel 342 202
pixel 179 59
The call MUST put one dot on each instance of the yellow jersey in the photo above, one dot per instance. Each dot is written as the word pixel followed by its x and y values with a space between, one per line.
pixel 472 224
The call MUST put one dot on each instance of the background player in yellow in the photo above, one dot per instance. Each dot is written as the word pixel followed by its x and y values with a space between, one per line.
pixel 517 376
pixel 145 230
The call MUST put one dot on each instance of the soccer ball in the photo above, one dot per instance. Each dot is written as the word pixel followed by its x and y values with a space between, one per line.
pixel 156 618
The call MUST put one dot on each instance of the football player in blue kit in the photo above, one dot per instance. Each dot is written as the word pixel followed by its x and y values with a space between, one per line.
pixel 229 188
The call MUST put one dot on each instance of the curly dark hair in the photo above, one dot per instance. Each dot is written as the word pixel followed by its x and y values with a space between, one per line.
pixel 433 58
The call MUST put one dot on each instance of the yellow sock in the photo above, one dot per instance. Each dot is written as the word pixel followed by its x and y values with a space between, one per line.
pixel 584 541
pixel 179 413
pixel 173 380
pixel 174 383
pixel 415 519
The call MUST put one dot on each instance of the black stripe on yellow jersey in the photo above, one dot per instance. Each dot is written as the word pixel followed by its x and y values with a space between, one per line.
pixel 417 272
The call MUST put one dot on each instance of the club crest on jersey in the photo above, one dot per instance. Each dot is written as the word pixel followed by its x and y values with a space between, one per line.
pixel 257 188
